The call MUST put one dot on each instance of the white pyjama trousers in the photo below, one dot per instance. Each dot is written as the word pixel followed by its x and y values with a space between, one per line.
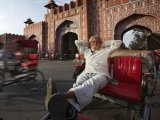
pixel 87 84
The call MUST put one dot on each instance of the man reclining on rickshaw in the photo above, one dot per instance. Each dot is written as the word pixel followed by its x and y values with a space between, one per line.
pixel 94 77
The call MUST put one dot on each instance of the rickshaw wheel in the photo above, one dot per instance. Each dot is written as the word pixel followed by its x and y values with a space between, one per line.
pixel 37 81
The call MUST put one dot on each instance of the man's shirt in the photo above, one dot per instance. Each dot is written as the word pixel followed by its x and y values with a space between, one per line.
pixel 97 62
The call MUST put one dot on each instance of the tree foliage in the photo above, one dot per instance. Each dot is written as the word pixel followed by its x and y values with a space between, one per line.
pixel 139 39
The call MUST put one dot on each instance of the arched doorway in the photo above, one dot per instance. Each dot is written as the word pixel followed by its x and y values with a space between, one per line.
pixel 68 45
pixel 66 34
pixel 146 21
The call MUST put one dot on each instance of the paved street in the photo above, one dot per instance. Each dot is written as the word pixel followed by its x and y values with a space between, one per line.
pixel 19 103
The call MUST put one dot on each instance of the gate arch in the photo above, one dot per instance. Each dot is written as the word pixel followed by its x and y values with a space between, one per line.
pixel 66 34
pixel 68 44
pixel 146 21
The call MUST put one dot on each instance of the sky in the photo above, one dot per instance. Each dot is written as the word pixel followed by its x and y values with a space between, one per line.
pixel 127 38
pixel 13 13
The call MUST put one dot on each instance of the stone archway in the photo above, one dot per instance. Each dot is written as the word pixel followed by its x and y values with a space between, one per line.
pixel 66 33
pixel 68 45
pixel 146 21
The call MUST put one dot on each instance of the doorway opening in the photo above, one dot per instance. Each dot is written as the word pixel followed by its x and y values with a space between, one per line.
pixel 69 48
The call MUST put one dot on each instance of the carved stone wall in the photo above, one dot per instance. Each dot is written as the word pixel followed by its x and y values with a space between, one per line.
pixel 73 28
pixel 119 18
pixel 95 19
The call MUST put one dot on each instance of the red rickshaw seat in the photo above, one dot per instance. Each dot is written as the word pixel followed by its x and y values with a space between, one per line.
pixel 127 70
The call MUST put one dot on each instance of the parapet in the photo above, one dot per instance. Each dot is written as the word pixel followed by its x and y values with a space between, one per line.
pixel 69 6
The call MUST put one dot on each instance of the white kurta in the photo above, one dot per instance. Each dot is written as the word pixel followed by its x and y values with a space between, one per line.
pixel 95 75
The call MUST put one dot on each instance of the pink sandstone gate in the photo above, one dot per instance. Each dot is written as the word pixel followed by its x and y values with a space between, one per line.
pixel 108 18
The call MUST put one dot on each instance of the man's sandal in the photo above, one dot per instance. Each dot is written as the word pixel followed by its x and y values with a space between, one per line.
pixel 57 106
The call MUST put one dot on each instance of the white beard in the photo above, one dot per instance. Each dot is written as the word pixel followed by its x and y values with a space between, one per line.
pixel 94 48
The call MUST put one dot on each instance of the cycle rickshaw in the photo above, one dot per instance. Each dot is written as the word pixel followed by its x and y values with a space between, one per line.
pixel 23 70
pixel 137 73
pixel 133 92
pixel 136 82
